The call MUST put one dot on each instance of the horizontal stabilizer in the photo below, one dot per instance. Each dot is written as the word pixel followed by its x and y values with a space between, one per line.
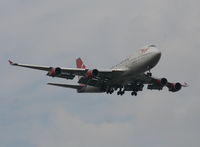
pixel 67 86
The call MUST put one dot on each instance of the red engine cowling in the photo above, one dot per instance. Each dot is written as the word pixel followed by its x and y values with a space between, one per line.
pixel 92 73
pixel 161 82
pixel 174 87
pixel 158 84
pixel 54 72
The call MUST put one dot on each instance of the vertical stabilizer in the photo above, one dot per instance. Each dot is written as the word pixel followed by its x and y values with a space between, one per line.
pixel 80 64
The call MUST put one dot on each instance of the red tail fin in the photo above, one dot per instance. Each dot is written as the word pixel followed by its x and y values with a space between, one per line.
pixel 80 64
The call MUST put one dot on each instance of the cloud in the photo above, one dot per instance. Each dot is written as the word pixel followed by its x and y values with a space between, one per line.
pixel 68 130
pixel 102 32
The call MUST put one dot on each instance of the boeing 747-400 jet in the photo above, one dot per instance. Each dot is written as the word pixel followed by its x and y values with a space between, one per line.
pixel 129 75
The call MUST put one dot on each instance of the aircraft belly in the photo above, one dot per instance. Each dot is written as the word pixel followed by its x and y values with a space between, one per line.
pixel 138 68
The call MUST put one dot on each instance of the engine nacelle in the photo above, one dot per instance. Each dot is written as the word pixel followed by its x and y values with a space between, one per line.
pixel 174 87
pixel 54 72
pixel 161 82
pixel 92 73
pixel 158 84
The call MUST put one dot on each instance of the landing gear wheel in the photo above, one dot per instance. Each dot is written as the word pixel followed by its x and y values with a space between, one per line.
pixel 134 93
pixel 149 74
pixel 120 93
pixel 111 91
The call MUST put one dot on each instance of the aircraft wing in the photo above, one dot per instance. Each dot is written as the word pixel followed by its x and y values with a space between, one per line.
pixel 154 83
pixel 66 85
pixel 45 68
pixel 70 73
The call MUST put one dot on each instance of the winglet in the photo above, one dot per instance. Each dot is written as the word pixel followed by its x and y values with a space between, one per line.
pixel 185 85
pixel 12 63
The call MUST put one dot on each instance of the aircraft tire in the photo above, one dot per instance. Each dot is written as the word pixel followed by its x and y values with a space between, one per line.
pixel 134 93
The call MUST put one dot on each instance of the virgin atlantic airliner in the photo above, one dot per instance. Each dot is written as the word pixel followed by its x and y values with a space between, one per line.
pixel 129 75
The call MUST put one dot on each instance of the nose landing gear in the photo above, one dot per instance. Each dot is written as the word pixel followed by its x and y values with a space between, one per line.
pixel 149 74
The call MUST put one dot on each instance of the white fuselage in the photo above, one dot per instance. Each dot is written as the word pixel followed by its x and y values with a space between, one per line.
pixel 140 62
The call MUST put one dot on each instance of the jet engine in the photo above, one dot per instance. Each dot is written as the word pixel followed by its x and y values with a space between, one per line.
pixel 92 73
pixel 161 82
pixel 174 87
pixel 54 71
pixel 158 84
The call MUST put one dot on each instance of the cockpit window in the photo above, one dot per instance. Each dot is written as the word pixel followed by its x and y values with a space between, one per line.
pixel 151 46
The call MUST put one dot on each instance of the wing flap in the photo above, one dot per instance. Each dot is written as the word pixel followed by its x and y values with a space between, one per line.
pixel 66 85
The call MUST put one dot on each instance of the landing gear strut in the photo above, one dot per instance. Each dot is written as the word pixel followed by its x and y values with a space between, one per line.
pixel 149 74
pixel 120 92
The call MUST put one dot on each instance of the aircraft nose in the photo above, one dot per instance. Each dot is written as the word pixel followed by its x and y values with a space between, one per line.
pixel 158 53
pixel 155 55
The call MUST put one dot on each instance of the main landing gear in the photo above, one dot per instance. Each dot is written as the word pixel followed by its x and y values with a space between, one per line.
pixel 110 91
pixel 134 93
pixel 121 92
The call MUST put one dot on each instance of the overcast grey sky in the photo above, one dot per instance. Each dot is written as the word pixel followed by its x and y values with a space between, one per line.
pixel 48 32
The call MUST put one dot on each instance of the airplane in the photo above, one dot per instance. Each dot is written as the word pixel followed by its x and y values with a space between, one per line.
pixel 130 74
